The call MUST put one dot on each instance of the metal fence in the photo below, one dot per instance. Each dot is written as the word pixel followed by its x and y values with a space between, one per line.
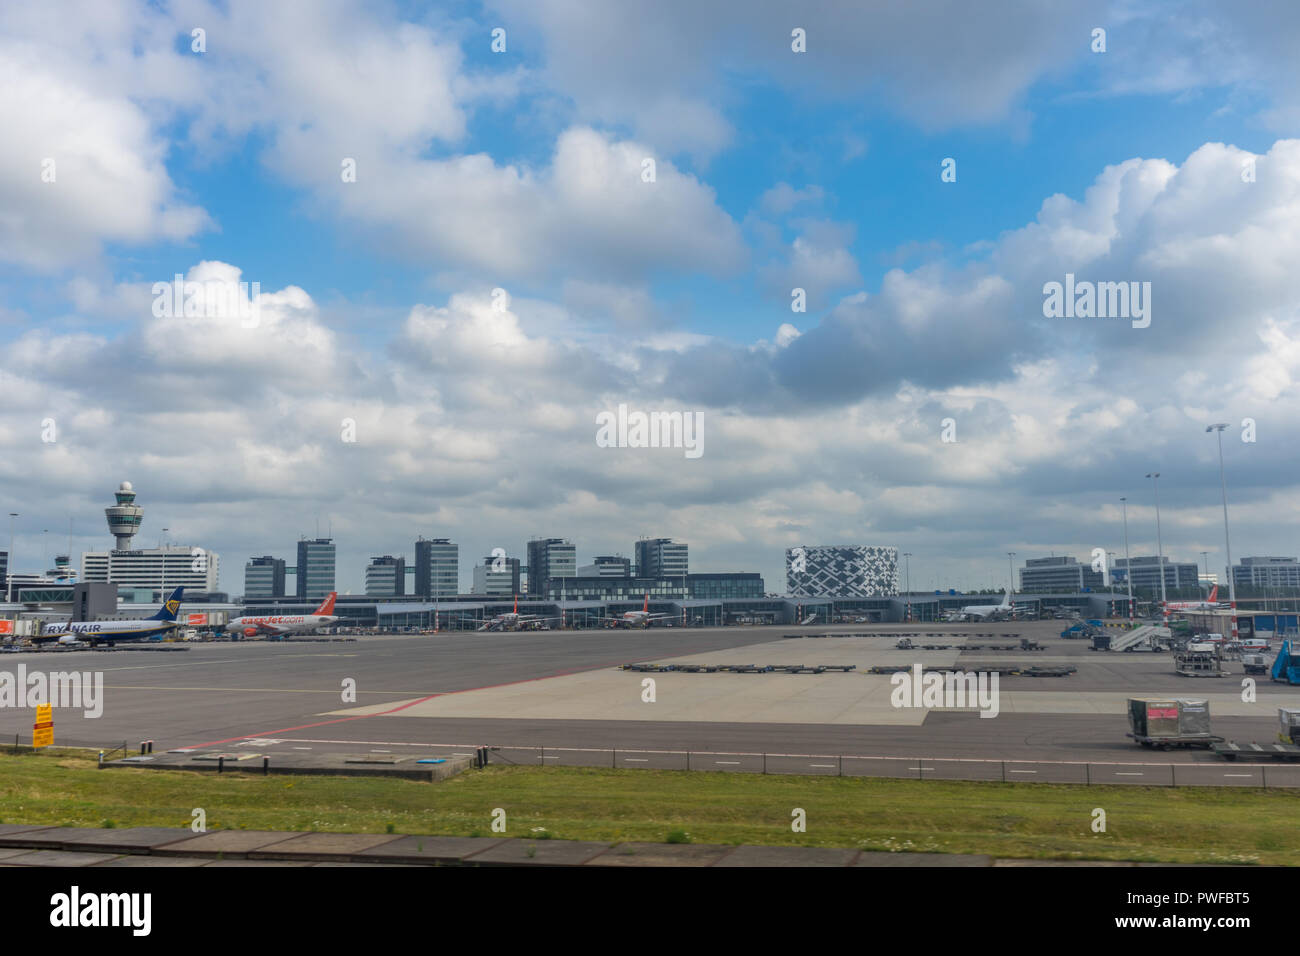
pixel 1218 774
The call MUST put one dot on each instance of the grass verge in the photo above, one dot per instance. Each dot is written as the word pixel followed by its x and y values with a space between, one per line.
pixel 1039 821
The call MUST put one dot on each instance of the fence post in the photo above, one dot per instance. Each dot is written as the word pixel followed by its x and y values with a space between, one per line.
pixel 613 760
pixel 1004 771
pixel 1263 776
pixel 688 760
pixel 1087 774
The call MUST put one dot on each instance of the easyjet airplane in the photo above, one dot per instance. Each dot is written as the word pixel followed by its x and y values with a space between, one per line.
pixel 278 625
pixel 1207 605
pixel 641 618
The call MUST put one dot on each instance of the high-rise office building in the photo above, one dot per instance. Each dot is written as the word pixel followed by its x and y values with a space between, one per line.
pixel 549 558
pixel 607 566
pixel 497 576
pixel 437 568
pixel 661 558
pixel 1146 574
pixel 315 568
pixel 156 568
pixel 1059 574
pixel 264 577
pixel 386 577
pixel 1266 572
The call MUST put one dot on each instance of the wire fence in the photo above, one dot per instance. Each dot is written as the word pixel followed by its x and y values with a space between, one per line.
pixel 1199 774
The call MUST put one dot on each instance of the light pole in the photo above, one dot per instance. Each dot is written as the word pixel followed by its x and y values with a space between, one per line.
pixel 9 567
pixel 162 591
pixel 1160 551
pixel 907 583
pixel 1206 556
pixel 1011 581
pixel 1227 542
pixel 1128 564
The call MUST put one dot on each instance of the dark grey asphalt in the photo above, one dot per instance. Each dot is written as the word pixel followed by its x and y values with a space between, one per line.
pixel 215 694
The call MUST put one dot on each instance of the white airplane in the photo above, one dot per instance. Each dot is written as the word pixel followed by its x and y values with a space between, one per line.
pixel 514 621
pixel 95 633
pixel 278 625
pixel 982 611
pixel 1209 604
pixel 641 618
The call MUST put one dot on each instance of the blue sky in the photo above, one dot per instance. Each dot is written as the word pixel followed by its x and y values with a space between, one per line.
pixel 520 170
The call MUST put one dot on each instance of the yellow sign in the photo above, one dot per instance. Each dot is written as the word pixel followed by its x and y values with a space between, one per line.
pixel 43 731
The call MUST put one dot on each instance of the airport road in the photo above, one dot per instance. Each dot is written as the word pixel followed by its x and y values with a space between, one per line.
pixel 285 697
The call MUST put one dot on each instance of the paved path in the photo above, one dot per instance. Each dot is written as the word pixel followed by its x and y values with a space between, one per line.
pixel 23 845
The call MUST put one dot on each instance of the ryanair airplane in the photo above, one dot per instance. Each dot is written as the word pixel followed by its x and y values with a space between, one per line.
pixel 110 632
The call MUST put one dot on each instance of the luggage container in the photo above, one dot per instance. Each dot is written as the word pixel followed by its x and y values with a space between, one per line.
pixel 1288 719
pixel 1166 722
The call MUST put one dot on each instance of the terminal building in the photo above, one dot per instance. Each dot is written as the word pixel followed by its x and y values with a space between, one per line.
pixel 841 570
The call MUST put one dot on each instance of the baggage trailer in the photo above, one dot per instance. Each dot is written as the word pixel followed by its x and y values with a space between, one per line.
pixel 1284 748
pixel 1231 750
pixel 1168 743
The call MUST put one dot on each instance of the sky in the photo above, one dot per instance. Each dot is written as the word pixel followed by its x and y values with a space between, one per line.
pixel 825 232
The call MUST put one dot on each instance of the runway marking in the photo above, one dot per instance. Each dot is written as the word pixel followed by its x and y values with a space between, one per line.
pixel 193 663
pixel 1239 775
pixel 821 765
pixel 1128 773
pixel 1024 771
pixel 319 723
pixel 266 690
pixel 728 763
pixel 409 703
pixel 637 759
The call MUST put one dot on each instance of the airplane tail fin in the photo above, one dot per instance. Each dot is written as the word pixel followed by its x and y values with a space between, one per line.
pixel 646 607
pixel 171 607
pixel 327 605
pixel 1214 594
pixel 1006 598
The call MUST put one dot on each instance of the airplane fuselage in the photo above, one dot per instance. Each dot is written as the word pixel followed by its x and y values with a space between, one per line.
pixel 109 632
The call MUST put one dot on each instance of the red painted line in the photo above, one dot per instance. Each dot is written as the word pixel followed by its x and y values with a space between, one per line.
pixel 409 703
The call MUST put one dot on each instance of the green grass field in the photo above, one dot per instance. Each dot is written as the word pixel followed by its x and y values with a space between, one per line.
pixel 1184 825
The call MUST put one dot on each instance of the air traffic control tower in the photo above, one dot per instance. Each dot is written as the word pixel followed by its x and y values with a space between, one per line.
pixel 124 517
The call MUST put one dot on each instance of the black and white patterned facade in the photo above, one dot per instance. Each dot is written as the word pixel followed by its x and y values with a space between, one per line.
pixel 841 570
